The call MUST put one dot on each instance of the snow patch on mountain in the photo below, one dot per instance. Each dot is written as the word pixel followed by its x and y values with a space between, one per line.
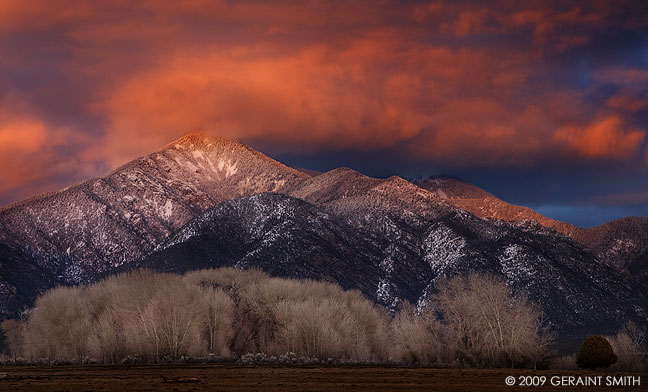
pixel 385 295
pixel 443 248
pixel 516 264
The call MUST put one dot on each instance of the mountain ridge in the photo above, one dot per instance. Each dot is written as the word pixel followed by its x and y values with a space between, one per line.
pixel 404 237
pixel 599 239
pixel 140 202
pixel 579 294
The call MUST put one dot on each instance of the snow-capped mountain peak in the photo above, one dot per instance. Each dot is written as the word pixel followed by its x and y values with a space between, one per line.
pixel 109 220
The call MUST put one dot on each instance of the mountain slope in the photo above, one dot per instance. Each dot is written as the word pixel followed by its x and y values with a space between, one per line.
pixel 204 202
pixel 393 212
pixel 107 221
pixel 413 223
pixel 483 204
pixel 289 237
pixel 280 234
pixel 622 244
pixel 363 199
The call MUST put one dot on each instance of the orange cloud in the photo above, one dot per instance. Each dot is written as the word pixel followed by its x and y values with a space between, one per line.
pixel 487 133
pixel 371 93
pixel 30 161
pixel 41 15
pixel 607 138
pixel 24 136
pixel 465 83
pixel 22 151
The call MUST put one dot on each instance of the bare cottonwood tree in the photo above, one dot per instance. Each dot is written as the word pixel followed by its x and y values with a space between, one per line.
pixel 630 346
pixel 417 338
pixel 309 318
pixel 219 320
pixel 14 332
pixel 488 326
pixel 58 325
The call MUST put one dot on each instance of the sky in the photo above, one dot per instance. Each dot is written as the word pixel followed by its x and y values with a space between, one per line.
pixel 542 103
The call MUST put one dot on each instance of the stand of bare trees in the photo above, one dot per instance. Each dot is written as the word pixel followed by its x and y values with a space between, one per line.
pixel 630 345
pixel 488 327
pixel 140 314
pixel 309 318
pixel 228 313
pixel 472 321
pixel 419 338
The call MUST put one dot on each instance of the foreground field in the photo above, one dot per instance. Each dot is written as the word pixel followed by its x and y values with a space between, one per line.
pixel 266 378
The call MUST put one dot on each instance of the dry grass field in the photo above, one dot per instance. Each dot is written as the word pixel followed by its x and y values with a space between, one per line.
pixel 267 378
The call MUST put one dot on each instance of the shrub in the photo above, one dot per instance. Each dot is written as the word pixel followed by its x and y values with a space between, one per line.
pixel 596 352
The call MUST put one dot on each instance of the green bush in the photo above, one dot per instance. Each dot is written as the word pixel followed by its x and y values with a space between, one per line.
pixel 595 353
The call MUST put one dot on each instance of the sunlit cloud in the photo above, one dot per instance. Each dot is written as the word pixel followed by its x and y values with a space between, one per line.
pixel 461 83
pixel 607 138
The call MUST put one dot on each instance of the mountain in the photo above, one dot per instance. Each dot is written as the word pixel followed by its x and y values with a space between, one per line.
pixel 280 234
pixel 413 225
pixel 289 237
pixel 622 244
pixel 345 192
pixel 105 222
pixel 207 202
pixel 483 204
